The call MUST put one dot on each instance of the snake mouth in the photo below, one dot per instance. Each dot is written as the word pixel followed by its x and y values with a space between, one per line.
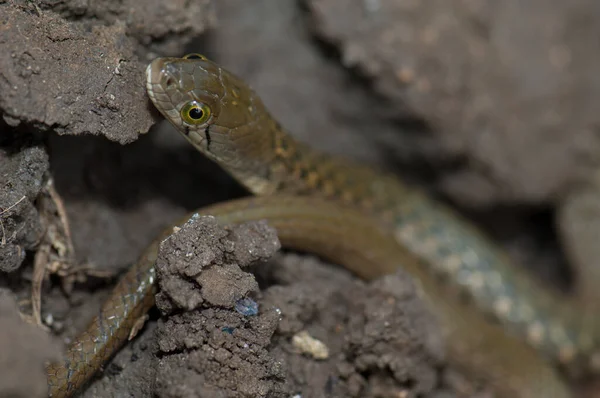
pixel 149 82
pixel 154 74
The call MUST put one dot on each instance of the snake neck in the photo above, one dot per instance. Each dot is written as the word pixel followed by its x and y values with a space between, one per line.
pixel 293 167
pixel 296 166
pixel 278 164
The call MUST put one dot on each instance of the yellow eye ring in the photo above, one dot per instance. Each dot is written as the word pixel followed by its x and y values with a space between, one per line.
pixel 194 112
pixel 195 56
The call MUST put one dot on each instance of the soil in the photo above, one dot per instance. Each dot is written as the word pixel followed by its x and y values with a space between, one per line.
pixel 490 107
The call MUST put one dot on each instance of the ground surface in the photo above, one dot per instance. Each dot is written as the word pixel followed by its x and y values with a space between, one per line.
pixel 490 106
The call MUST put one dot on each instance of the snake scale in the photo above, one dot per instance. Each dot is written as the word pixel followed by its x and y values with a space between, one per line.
pixel 501 325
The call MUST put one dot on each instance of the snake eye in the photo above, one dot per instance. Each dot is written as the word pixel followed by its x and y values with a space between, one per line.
pixel 195 56
pixel 195 112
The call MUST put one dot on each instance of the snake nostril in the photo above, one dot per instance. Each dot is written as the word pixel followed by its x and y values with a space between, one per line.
pixel 170 82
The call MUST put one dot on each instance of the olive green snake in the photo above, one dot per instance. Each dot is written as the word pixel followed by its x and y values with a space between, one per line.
pixel 501 325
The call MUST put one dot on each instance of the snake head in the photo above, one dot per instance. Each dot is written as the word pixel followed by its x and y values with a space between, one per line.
pixel 211 107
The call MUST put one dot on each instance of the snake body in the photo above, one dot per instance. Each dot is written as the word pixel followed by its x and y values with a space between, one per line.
pixel 501 325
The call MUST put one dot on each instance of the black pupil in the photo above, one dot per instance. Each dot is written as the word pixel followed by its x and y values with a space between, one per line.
pixel 194 56
pixel 196 113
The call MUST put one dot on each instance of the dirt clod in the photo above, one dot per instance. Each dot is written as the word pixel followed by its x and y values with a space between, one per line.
pixel 486 104
pixel 22 176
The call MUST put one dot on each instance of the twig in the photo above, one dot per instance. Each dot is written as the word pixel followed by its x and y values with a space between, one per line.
pixel 39 272
pixel 62 214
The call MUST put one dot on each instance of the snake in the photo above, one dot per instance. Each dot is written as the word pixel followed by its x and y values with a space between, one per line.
pixel 500 324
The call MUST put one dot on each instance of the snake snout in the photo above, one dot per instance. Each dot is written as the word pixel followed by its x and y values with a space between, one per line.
pixel 155 71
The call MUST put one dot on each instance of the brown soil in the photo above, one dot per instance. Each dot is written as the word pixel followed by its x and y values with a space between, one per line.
pixel 490 106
